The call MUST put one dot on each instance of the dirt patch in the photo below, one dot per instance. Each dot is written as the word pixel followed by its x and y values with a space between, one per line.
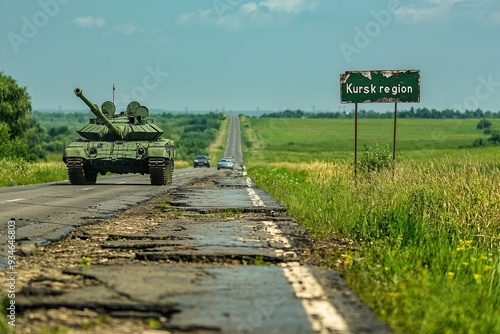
pixel 44 271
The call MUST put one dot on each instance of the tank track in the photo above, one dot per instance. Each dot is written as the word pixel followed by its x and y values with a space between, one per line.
pixel 161 171
pixel 77 173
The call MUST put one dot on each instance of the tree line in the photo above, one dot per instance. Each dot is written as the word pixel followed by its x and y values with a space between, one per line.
pixel 32 135
pixel 423 113
pixel 192 133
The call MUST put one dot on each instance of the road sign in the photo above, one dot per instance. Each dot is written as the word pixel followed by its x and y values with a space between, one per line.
pixel 380 86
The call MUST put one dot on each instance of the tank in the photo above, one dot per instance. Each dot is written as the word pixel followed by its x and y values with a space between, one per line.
pixel 127 142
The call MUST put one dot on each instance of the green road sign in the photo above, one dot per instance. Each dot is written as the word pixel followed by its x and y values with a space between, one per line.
pixel 380 86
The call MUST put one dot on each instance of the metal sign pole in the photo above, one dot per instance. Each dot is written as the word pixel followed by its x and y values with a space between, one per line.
pixel 356 142
pixel 394 138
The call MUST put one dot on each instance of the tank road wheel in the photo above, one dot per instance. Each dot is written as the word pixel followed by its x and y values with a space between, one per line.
pixel 157 172
pixel 76 173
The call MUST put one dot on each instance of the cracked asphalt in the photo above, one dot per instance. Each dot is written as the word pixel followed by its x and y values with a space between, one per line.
pixel 213 255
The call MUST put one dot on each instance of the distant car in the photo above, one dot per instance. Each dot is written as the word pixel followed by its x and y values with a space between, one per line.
pixel 225 163
pixel 201 161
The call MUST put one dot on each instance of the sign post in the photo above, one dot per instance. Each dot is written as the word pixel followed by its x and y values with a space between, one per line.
pixel 379 87
pixel 355 140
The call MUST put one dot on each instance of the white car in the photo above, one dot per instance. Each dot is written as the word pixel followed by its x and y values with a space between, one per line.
pixel 225 163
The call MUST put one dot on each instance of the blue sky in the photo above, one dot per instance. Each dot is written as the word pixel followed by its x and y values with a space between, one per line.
pixel 243 55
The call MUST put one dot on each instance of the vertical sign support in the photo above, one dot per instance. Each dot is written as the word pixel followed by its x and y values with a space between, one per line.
pixel 356 142
pixel 394 139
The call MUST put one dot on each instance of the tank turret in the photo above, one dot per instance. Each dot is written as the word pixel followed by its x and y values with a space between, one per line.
pixel 98 112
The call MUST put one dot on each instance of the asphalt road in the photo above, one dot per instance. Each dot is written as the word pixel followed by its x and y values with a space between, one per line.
pixel 47 212
pixel 233 145
pixel 217 255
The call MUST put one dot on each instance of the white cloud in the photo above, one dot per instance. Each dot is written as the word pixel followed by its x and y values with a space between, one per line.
pixel 249 7
pixel 290 6
pixel 235 14
pixel 429 10
pixel 89 21
pixel 126 28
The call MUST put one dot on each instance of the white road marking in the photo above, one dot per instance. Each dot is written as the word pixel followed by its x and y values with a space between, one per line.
pixel 254 197
pixel 322 315
pixel 15 200
pixel 256 200
pixel 275 232
pixel 89 188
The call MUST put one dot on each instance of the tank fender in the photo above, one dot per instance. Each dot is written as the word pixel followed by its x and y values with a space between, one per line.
pixel 74 152
pixel 158 152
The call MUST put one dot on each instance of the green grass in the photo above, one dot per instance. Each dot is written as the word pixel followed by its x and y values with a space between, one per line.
pixel 333 139
pixel 20 172
pixel 422 244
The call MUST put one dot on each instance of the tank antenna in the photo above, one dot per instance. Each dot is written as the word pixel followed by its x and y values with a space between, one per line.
pixel 113 93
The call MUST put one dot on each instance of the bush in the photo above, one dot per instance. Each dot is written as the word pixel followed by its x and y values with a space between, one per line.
pixel 483 124
pixel 479 142
pixel 373 160
pixel 495 137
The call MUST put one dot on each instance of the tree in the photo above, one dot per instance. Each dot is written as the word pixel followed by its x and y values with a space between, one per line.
pixel 15 106
pixel 19 137
pixel 11 148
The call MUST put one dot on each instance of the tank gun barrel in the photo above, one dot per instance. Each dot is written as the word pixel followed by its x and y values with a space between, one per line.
pixel 94 108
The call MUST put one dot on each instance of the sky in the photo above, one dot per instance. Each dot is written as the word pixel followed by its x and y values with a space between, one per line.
pixel 236 55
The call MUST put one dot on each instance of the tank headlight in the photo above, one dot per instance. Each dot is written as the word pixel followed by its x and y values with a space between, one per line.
pixel 141 150
pixel 93 150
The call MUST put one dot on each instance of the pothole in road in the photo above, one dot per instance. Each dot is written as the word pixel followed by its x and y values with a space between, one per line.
pixel 241 239
pixel 208 258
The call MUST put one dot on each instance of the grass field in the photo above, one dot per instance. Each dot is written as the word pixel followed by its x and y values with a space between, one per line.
pixel 421 245
pixel 333 139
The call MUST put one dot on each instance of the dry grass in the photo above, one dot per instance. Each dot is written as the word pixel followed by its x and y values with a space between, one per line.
pixel 20 172
pixel 216 149
pixel 425 249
